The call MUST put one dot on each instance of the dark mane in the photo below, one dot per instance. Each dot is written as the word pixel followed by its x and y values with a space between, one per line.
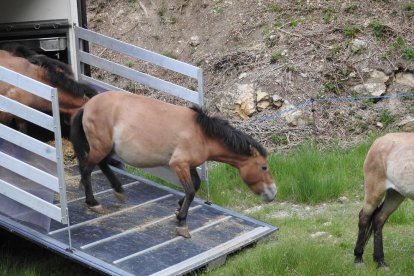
pixel 59 74
pixel 234 139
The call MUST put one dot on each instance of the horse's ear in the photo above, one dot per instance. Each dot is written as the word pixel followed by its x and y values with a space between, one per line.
pixel 254 152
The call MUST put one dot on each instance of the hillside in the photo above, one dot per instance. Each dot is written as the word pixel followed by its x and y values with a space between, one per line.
pixel 274 55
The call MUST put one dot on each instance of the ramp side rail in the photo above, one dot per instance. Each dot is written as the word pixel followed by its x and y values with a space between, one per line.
pixel 54 154
pixel 195 97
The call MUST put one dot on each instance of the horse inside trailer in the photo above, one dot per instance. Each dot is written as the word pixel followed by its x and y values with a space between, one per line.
pixel 39 196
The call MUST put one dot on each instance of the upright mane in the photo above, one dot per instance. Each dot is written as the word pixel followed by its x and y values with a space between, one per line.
pixel 234 139
pixel 59 73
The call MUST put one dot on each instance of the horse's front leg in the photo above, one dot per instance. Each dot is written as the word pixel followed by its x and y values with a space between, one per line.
pixel 183 173
pixel 196 183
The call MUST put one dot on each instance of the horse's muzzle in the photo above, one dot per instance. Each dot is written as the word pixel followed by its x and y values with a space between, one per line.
pixel 269 193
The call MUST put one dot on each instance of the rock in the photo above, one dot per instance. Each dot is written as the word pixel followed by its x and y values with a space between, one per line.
pixel 245 104
pixel 379 125
pixel 343 199
pixel 405 79
pixel 277 101
pixel 242 75
pixel 407 124
pixel 379 76
pixel 320 235
pixel 370 88
pixel 195 41
pixel 261 96
pixel 262 105
pixel 328 223
pixel 293 118
pixel 357 45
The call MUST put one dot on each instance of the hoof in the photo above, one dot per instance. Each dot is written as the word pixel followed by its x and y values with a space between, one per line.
pixel 383 266
pixel 120 196
pixel 183 232
pixel 97 209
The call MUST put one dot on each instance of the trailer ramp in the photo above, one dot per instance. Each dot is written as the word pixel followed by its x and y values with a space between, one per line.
pixel 138 237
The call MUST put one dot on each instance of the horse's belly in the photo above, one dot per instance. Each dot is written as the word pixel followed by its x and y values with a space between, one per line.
pixel 142 157
pixel 400 177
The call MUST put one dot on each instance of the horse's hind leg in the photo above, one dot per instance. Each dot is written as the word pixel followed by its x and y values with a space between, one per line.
pixel 391 202
pixel 371 202
pixel 116 185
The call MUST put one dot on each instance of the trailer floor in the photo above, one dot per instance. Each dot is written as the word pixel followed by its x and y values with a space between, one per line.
pixel 138 237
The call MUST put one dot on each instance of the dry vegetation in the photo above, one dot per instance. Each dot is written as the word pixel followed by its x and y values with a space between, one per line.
pixel 296 49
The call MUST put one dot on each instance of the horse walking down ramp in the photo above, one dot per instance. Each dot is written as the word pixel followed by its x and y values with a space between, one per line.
pixel 146 132
pixel 72 94
pixel 389 179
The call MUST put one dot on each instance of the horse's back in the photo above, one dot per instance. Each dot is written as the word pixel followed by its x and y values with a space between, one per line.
pixel 391 159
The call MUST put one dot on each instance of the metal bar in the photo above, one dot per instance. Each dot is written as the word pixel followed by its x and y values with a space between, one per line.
pixel 27 142
pixel 101 83
pixel 137 52
pixel 27 113
pixel 32 86
pixel 169 241
pixel 92 244
pixel 30 172
pixel 59 157
pixel 30 200
pixel 210 255
pixel 111 214
pixel 145 79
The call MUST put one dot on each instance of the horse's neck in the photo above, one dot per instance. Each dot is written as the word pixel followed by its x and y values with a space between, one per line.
pixel 220 153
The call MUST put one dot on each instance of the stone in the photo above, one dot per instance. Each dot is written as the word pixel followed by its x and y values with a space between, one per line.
pixel 320 235
pixel 245 103
pixel 294 118
pixel 343 199
pixel 379 125
pixel 357 45
pixel 277 101
pixel 195 41
pixel 261 96
pixel 242 75
pixel 370 88
pixel 379 76
pixel 405 79
pixel 262 105
pixel 407 124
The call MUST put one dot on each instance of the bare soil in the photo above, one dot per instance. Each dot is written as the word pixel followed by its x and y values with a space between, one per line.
pixel 296 49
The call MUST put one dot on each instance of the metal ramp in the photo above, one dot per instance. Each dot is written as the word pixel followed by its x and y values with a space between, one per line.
pixel 133 238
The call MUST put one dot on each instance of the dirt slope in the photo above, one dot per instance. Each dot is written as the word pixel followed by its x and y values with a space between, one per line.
pixel 296 49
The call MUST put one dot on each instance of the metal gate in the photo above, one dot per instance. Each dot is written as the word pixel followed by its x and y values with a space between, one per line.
pixel 28 165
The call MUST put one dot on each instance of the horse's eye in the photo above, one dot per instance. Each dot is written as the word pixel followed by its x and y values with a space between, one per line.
pixel 264 168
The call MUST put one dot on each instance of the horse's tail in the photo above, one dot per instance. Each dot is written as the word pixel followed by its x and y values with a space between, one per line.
pixel 78 138
pixel 60 75
pixel 370 225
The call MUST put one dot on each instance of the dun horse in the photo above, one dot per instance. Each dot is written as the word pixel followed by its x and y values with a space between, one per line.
pixel 72 94
pixel 146 132
pixel 389 178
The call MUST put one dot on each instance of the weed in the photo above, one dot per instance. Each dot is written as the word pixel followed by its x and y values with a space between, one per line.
pixel 351 8
pixel 280 139
pixel 378 28
pixel 400 46
pixel 173 19
pixel 386 117
pixel 328 15
pixel 130 63
pixel 330 86
pixel 169 53
pixel 409 9
pixel 350 31
pixel 276 56
pixel 408 53
pixel 130 86
pixel 161 12
pixel 275 8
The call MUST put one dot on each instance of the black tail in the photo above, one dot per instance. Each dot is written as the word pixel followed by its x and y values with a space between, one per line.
pixel 78 138
pixel 60 75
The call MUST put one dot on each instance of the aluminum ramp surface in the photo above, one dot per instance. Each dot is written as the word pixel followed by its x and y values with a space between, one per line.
pixel 138 237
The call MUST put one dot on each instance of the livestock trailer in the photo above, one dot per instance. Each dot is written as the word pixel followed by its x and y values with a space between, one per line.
pixel 39 197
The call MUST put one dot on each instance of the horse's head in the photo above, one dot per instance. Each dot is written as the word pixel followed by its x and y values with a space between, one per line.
pixel 256 174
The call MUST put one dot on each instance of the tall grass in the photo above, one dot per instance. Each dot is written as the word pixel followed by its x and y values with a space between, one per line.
pixel 305 175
